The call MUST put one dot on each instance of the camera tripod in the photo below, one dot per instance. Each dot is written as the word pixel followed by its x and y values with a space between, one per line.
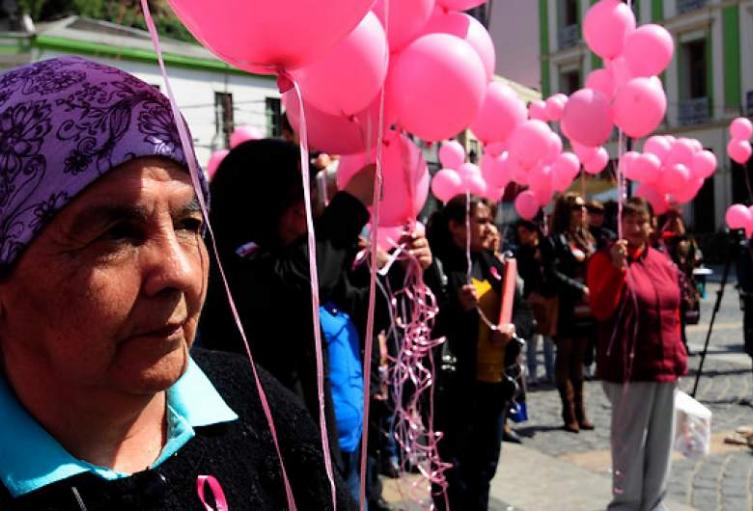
pixel 733 250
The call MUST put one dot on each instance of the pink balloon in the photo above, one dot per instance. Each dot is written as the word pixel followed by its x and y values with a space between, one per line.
pixel 496 170
pixel 560 181
pixel 405 178
pixel 214 162
pixel 620 72
pixel 529 143
pixel 451 154
pixel 597 162
pixel 567 165
pixel 389 237
pixel 467 170
pixel 494 194
pixel 518 173
pixel 337 134
pixel 587 118
pixel 475 184
pixel 738 216
pixel 555 149
pixel 446 184
pixel 583 152
pixel 741 129
pixel 537 110
pixel 626 164
pixel 540 177
pixel 639 107
pixel 470 30
pixel 682 151
pixel 688 192
pixel 555 107
pixel 543 195
pixel 495 149
pixel 648 50
pixel 244 133
pixel 658 145
pixel 526 205
pixel 739 151
pixel 673 178
pixel 348 78
pixel 439 84
pixel 601 80
pixel 646 168
pixel 657 200
pixel 460 5
pixel 407 18
pixel 501 112
pixel 606 26
pixel 264 36
pixel 704 164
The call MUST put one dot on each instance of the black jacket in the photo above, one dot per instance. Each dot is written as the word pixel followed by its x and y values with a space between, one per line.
pixel 239 454
pixel 461 327
pixel 561 268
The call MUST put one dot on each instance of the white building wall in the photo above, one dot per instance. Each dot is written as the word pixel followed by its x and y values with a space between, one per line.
pixel 194 92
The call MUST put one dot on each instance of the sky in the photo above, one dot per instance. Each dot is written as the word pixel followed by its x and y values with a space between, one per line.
pixel 514 27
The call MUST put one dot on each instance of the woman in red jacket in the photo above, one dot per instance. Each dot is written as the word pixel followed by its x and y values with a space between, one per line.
pixel 635 296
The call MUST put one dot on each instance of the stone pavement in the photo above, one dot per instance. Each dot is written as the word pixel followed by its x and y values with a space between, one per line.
pixel 556 470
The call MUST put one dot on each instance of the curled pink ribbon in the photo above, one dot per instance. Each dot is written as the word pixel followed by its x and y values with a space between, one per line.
pixel 220 503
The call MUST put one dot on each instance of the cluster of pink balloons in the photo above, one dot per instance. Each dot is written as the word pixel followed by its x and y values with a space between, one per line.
pixel 457 176
pixel 669 170
pixel 626 93
pixel 739 148
pixel 432 62
pixel 740 216
pixel 405 178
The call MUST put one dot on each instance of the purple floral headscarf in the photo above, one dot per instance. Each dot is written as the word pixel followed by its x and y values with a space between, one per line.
pixel 64 122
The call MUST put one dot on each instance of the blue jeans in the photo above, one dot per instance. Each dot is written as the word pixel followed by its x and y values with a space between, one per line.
pixel 352 474
pixel 531 353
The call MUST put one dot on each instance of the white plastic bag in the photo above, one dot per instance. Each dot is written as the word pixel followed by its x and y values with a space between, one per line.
pixel 693 427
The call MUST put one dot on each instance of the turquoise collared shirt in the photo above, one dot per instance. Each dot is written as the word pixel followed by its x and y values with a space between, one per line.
pixel 30 458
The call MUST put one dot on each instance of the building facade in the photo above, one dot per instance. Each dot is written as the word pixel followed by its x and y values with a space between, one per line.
pixel 708 83
pixel 214 97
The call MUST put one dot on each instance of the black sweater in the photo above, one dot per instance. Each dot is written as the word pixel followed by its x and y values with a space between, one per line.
pixel 239 454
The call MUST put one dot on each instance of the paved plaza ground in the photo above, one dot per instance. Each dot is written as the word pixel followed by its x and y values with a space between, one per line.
pixel 556 470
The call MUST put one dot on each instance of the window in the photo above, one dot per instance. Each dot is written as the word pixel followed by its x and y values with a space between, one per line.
pixel 694 101
pixel 569 13
pixel 273 112
pixel 224 119
pixel 569 81
pixel 694 56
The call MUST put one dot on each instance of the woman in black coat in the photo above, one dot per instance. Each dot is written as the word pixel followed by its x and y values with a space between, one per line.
pixel 473 387
pixel 566 253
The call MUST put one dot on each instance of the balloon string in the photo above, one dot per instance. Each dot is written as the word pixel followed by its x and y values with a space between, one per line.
pixel 620 181
pixel 194 172
pixel 314 278
pixel 369 341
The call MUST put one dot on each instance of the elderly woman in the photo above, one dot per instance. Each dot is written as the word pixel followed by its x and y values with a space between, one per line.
pixel 104 273
pixel 635 296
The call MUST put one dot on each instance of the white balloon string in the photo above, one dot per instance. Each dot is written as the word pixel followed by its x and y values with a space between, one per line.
pixel 194 171
pixel 314 277
pixel 369 340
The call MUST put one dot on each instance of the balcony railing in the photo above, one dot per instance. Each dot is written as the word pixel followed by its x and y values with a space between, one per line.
pixel 684 6
pixel 567 37
pixel 694 111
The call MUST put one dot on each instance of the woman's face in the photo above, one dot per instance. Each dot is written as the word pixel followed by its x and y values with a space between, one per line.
pixel 482 229
pixel 637 229
pixel 578 214
pixel 107 298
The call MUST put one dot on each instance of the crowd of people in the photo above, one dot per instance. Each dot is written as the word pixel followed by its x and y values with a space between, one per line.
pixel 137 382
